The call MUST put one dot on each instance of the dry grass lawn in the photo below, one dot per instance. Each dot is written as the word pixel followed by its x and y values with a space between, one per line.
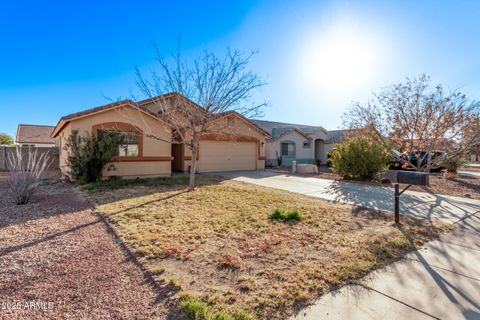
pixel 221 249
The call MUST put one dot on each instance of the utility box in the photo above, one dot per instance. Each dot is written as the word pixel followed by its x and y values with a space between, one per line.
pixel 408 177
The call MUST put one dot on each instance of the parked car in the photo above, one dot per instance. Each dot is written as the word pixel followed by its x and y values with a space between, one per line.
pixel 401 162
pixel 398 161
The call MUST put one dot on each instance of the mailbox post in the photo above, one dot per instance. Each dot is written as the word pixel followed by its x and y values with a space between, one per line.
pixel 405 177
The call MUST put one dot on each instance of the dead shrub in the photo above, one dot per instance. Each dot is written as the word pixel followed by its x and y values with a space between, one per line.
pixel 231 261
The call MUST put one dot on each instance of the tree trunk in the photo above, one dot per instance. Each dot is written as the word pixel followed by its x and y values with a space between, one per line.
pixel 193 164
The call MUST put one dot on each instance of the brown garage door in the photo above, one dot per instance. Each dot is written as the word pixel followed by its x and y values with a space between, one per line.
pixel 227 156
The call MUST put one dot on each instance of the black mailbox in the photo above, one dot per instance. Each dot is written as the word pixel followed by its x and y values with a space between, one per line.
pixel 408 177
pixel 405 177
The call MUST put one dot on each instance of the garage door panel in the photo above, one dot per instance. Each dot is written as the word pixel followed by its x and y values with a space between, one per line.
pixel 227 156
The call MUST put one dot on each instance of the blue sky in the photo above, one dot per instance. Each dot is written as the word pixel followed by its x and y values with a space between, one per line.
pixel 60 57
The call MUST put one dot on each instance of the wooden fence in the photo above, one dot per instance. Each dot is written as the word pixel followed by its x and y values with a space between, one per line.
pixel 53 154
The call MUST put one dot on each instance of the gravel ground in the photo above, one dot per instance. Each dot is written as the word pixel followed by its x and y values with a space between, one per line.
pixel 55 251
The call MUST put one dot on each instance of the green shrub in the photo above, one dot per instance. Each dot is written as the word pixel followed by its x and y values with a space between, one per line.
pixel 88 155
pixel 452 164
pixel 195 309
pixel 283 215
pixel 199 310
pixel 221 316
pixel 242 315
pixel 175 282
pixel 157 270
pixel 359 159
pixel 6 140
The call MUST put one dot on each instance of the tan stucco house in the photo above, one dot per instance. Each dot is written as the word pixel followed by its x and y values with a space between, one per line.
pixel 302 143
pixel 147 149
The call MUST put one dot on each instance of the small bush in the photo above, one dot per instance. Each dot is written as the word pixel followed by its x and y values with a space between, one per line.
pixel 452 164
pixel 195 309
pixel 242 315
pixel 175 282
pixel 282 215
pixel 89 155
pixel 199 310
pixel 157 270
pixel 359 159
pixel 221 316
pixel 232 261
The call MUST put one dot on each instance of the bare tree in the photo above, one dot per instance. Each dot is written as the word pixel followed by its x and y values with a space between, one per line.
pixel 418 119
pixel 191 97
pixel 474 135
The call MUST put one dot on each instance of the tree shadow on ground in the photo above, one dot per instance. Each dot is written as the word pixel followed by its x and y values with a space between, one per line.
pixel 424 206
pixel 105 192
pixel 384 252
pixel 449 289
pixel 49 200
pixel 60 200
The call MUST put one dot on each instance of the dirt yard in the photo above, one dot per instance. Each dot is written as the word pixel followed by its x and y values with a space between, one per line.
pixel 229 259
pixel 56 253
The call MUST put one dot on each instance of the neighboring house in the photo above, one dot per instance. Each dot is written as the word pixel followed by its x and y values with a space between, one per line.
pixel 146 148
pixel 302 143
pixel 34 135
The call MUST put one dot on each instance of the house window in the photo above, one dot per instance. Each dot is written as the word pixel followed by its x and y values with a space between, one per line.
pixel 288 149
pixel 306 144
pixel 128 146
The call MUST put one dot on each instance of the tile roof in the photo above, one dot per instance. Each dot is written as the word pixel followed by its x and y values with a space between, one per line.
pixel 143 105
pixel 30 133
pixel 96 109
pixel 278 128
pixel 250 121
pixel 336 136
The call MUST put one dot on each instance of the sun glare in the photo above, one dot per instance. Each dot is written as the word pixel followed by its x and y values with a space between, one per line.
pixel 344 60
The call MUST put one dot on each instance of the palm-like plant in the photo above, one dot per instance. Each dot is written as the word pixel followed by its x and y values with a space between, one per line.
pixel 26 170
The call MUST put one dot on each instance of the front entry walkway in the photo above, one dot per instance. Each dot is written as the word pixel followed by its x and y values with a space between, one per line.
pixel 420 204
pixel 439 281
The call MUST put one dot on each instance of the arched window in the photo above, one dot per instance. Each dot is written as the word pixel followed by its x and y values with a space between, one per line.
pixel 131 137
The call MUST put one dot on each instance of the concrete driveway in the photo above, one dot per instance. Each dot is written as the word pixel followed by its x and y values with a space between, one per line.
pixel 420 204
